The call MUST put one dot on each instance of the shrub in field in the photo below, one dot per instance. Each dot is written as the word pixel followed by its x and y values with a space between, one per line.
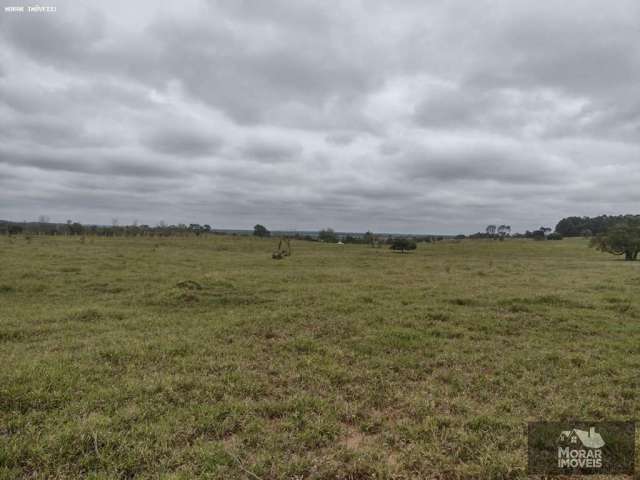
pixel 403 244
pixel 555 236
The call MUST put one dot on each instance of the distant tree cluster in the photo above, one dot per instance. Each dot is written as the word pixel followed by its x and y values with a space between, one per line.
pixel 589 226
pixel 542 233
pixel 496 232
pixel 504 231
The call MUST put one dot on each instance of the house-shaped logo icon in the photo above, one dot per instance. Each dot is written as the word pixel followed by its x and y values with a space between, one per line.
pixel 574 437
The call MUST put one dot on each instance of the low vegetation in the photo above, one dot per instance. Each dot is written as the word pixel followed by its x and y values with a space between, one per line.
pixel 200 357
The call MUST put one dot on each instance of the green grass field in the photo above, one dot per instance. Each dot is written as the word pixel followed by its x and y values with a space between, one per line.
pixel 203 357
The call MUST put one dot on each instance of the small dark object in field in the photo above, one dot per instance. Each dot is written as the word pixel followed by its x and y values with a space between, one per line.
pixel 284 249
pixel 189 285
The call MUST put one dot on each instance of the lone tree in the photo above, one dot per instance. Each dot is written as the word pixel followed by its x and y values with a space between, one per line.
pixel 261 231
pixel 403 244
pixel 620 239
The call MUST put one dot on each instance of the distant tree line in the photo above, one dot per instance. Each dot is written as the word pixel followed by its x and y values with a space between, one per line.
pixel 590 226
pixel 72 228
pixel 328 235
pixel 504 231
pixel 76 228
pixel 494 232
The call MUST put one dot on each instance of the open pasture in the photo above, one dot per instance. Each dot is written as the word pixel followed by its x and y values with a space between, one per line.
pixel 202 357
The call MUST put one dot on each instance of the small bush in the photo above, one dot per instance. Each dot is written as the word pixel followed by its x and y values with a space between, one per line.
pixel 555 236
pixel 403 244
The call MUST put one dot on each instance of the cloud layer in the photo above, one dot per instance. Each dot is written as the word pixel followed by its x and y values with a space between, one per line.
pixel 401 116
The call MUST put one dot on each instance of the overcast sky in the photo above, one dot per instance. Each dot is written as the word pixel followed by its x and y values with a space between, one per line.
pixel 406 116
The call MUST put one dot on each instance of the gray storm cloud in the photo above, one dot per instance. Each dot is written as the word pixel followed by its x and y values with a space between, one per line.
pixel 393 116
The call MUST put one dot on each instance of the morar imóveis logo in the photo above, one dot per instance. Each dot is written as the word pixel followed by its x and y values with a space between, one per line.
pixel 580 449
